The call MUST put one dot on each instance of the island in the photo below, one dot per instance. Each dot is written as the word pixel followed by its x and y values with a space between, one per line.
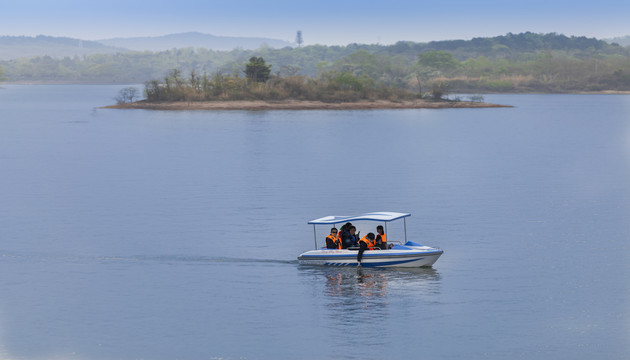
pixel 259 90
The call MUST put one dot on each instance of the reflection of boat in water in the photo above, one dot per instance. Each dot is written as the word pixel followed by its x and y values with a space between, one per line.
pixel 366 283
pixel 409 254
pixel 349 291
pixel 369 303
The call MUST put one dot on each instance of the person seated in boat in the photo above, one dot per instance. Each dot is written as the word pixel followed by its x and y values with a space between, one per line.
pixel 332 240
pixel 344 229
pixel 350 238
pixel 366 242
pixel 381 238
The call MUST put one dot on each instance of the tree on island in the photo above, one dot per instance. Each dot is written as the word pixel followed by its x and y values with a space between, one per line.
pixel 257 70
pixel 432 65
pixel 126 95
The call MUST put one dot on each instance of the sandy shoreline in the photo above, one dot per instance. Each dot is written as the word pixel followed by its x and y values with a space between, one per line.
pixel 302 105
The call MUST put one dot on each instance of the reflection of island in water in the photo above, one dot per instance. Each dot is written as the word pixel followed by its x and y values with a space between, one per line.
pixel 363 294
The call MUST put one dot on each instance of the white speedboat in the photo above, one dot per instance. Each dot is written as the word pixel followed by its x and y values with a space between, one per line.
pixel 401 254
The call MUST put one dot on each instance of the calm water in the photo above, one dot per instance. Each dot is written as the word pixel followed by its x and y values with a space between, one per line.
pixel 174 235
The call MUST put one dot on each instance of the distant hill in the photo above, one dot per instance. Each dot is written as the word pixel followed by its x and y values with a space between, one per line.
pixel 623 40
pixel 195 40
pixel 15 47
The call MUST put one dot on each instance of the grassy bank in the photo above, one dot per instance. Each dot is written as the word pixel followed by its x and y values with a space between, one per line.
pixel 301 105
pixel 330 87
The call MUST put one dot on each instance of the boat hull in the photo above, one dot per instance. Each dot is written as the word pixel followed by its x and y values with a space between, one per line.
pixel 413 257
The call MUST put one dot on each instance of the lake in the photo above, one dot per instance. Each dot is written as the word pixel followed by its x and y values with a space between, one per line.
pixel 135 234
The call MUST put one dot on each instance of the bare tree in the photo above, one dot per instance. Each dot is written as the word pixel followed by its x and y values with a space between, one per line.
pixel 126 95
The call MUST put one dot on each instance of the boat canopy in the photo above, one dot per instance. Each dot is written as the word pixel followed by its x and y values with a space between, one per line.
pixel 374 216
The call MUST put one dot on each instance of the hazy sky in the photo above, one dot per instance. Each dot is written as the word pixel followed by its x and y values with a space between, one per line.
pixel 322 22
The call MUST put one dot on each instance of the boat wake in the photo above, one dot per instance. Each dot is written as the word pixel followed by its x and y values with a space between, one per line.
pixel 33 257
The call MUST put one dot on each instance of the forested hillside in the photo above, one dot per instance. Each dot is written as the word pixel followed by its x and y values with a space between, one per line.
pixel 523 62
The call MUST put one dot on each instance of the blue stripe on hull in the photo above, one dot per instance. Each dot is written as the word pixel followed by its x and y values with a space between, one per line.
pixel 373 264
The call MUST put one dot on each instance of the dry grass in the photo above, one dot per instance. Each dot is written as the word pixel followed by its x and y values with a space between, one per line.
pixel 301 105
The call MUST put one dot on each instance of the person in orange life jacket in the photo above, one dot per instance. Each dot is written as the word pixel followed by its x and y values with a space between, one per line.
pixel 350 238
pixel 332 241
pixel 366 242
pixel 381 238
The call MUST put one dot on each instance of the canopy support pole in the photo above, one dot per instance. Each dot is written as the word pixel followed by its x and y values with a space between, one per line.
pixel 385 227
pixel 315 236
pixel 405 222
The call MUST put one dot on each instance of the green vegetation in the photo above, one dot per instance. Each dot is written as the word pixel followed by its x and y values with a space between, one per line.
pixel 257 70
pixel 524 62
pixel 330 86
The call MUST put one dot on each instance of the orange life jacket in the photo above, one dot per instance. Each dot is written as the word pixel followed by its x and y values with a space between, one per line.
pixel 335 240
pixel 370 243
pixel 383 237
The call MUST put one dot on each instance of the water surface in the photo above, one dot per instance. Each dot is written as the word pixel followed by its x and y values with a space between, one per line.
pixel 132 234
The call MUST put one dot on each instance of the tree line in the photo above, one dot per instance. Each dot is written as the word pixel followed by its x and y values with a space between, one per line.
pixel 511 63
